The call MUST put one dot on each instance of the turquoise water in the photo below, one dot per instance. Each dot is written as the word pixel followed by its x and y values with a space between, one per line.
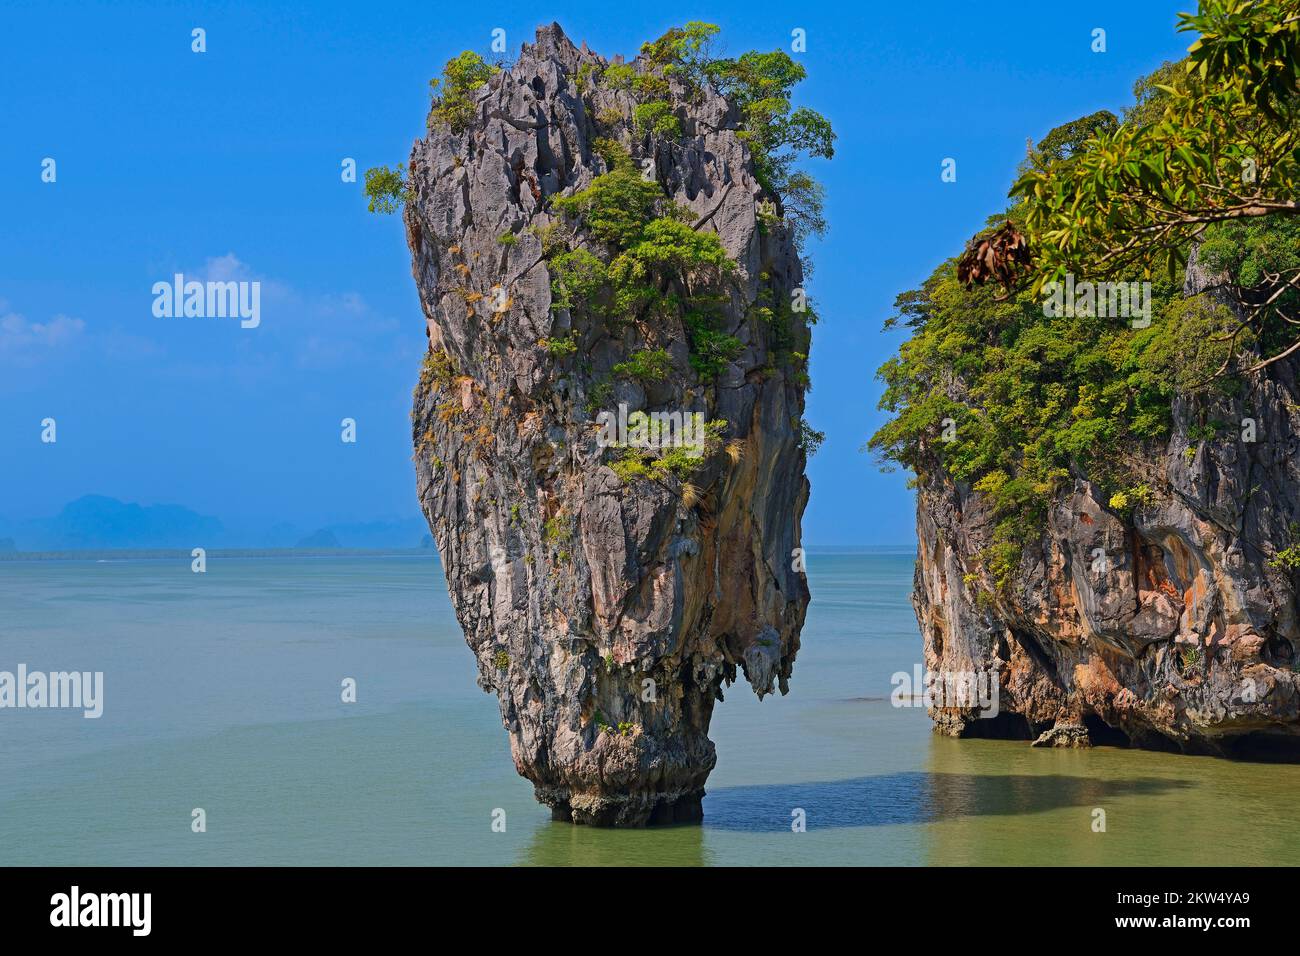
pixel 222 691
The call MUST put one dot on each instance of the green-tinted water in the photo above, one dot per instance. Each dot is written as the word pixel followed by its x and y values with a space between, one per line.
pixel 222 692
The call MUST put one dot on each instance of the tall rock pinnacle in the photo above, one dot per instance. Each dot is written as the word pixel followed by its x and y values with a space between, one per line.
pixel 609 581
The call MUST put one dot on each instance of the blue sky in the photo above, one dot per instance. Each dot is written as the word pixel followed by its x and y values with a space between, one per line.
pixel 227 163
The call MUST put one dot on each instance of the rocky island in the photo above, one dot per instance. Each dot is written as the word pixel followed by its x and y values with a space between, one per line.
pixel 1108 497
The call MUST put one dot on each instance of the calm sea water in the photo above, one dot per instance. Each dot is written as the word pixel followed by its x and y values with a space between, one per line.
pixel 223 692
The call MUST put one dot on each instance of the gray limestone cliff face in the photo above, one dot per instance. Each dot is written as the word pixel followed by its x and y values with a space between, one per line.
pixel 1173 627
pixel 606 616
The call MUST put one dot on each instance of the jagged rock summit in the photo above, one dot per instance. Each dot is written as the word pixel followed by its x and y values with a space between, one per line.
pixel 608 595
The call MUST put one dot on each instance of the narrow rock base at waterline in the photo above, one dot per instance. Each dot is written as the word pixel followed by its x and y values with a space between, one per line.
pixel 631 810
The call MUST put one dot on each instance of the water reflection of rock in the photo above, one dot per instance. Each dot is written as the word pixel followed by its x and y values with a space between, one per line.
pixel 562 844
pixel 1037 808
pixel 912 797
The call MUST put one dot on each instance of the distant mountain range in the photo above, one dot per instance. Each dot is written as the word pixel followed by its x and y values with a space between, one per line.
pixel 96 521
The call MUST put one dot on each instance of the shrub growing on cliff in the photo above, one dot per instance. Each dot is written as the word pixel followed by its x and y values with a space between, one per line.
pixel 619 76
pixel 669 243
pixel 676 461
pixel 557 528
pixel 561 346
pixel 810 440
pixel 684 52
pixel 578 276
pixel 657 117
pixel 761 85
pixel 588 73
pixel 1127 500
pixel 616 208
pixel 711 349
pixel 438 370
pixel 386 188
pixel 647 365
pixel 453 92
pixel 1288 559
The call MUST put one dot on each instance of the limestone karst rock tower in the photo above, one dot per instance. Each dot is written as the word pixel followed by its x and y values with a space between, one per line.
pixel 608 593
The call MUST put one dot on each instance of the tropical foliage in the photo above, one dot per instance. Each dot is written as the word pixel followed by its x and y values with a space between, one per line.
pixel 997 394
pixel 1212 144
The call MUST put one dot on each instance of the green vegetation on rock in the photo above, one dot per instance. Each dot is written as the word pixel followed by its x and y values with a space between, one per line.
pixel 386 188
pixel 657 117
pixel 646 365
pixel 453 105
pixel 995 392
pixel 453 92
pixel 649 250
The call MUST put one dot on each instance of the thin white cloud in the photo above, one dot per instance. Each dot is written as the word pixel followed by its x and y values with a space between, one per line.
pixel 230 268
pixel 227 268
pixel 328 330
pixel 18 334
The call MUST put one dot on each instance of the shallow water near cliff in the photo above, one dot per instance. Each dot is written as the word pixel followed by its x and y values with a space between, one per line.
pixel 222 692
